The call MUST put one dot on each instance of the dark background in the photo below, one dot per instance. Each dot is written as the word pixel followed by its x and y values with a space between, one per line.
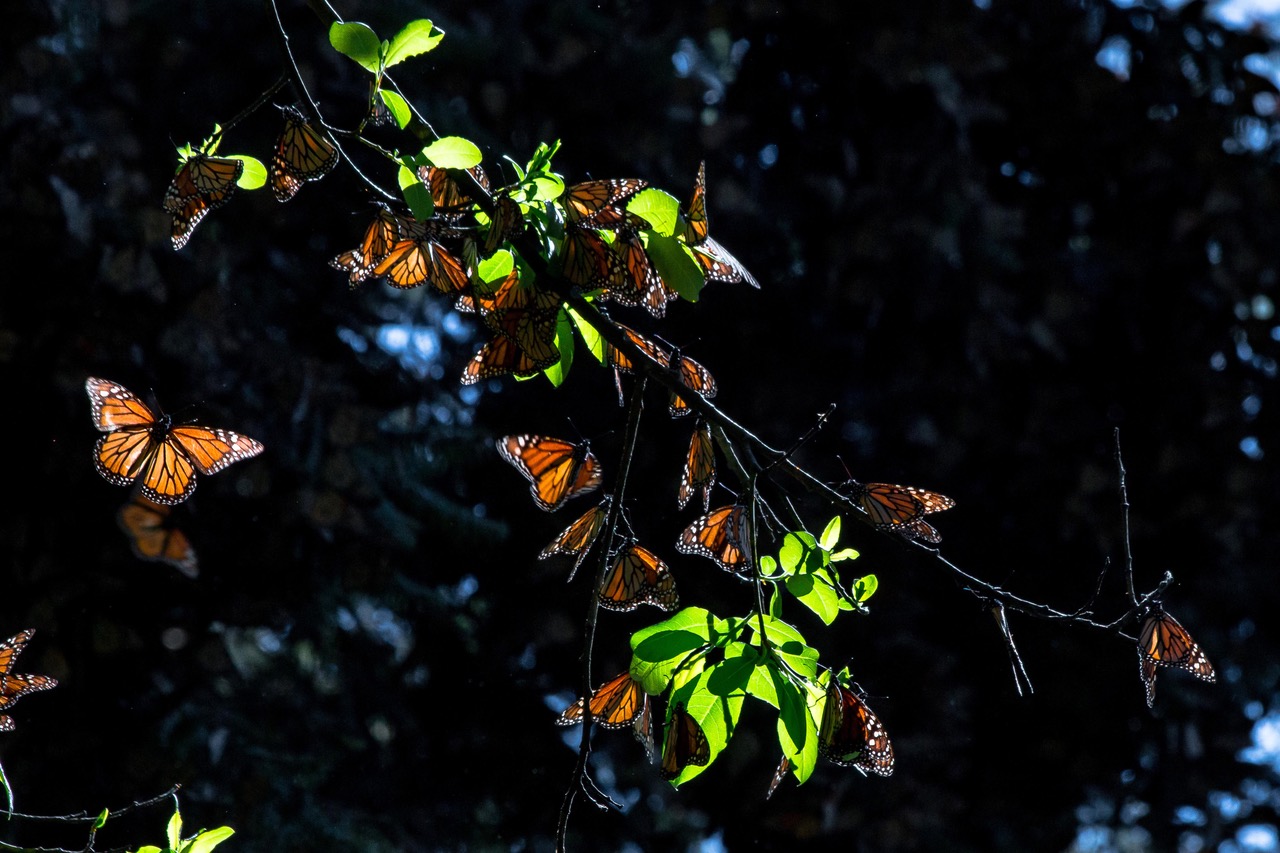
pixel 987 249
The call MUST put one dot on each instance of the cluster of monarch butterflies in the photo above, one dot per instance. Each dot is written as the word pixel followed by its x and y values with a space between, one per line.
pixel 204 182
pixel 13 687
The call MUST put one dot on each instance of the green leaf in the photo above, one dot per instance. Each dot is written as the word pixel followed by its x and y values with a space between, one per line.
pixel 768 566
pixel 547 188
pixel 717 715
pixel 676 266
pixel 416 38
pixel 357 41
pixel 667 646
pixel 590 336
pixel 400 109
pixel 174 830
pixel 658 208
pixel 775 602
pixel 790 646
pixel 815 590
pixel 453 152
pixel 844 554
pixel 564 341
pixel 496 267
pixel 731 674
pixel 254 174
pixel 101 820
pixel 416 194
pixel 831 535
pixel 865 587
pixel 149 848
pixel 8 792
pixel 208 839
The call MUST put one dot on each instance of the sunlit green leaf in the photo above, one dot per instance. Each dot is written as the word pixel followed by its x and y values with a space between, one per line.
pixel 208 839
pixel 717 715
pixel 101 820
pixel 416 194
pixel 865 587
pixel 731 674
pixel 831 535
pixel 590 336
pixel 775 602
pixel 791 646
pixel 357 41
pixel 174 830
pixel 398 106
pixel 814 590
pixel 656 207
pixel 453 152
pixel 496 267
pixel 564 342
pixel 844 554
pixel 547 188
pixel 676 266
pixel 8 792
pixel 416 38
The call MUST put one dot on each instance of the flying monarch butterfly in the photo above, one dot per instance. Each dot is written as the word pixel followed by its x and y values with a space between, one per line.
pixel 506 223
pixel 720 535
pixel 556 469
pixel 851 735
pixel 499 357
pixel 784 767
pixel 616 704
pixel 161 456
pixel 302 154
pixel 576 539
pixel 378 239
pixel 602 204
pixel 694 377
pixel 638 577
pixel 899 509
pixel 522 312
pixel 416 258
pixel 699 467
pixel 685 744
pixel 588 261
pixel 1164 642
pixel 716 261
pixel 447 192
pixel 14 687
pixel 152 537
pixel 201 184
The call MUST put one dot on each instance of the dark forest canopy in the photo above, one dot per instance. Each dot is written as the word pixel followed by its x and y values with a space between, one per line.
pixel 989 234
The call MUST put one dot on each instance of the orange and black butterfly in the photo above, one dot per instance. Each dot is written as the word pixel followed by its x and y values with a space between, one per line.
pixel 851 735
pixel 576 539
pixel 379 237
pixel 588 261
pixel 720 535
pixel 447 192
pixel 506 223
pixel 161 456
pixel 556 469
pixel 500 357
pixel 784 767
pixel 638 577
pixel 201 184
pixel 642 284
pixel 152 537
pixel 522 312
pixel 693 376
pixel 302 154
pixel 900 509
pixel 699 467
pixel 618 360
pixel 416 258
pixel 14 687
pixel 685 743
pixel 616 704
pixel 602 204
pixel 716 261
pixel 1164 642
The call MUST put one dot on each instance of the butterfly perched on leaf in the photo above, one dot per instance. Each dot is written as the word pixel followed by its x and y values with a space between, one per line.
pixel 416 257
pixel 556 469
pixel 14 687
pixel 899 509
pixel 161 456
pixel 448 193
pixel 153 537
pixel 501 356
pixel 588 261
pixel 602 203
pixel 716 261
pixel 523 312
pixel 616 704
pixel 721 535
pixel 302 154
pixel 202 183
pixel 576 539
pixel 850 734
pixel 638 576
pixel 379 237
pixel 684 745
pixel 1164 642
pixel 699 467
pixel 642 284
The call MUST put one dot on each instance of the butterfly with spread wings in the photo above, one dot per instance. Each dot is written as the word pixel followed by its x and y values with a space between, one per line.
pixel 153 537
pixel 416 257
pixel 523 312
pixel 721 535
pixel 576 539
pixel 448 193
pixel 638 576
pixel 302 154
pixel 716 261
pixel 616 704
pixel 602 203
pixel 693 376
pixel 203 183
pixel 685 744
pixel 1164 642
pixel 899 509
pixel 161 456
pixel 699 467
pixel 14 687
pixel 642 284
pixel 379 237
pixel 501 356
pixel 556 469
pixel 851 735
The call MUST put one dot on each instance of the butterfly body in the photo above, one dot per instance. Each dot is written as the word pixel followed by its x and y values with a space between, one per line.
pixel 556 469
pixel 162 457
pixel 699 467
pixel 577 538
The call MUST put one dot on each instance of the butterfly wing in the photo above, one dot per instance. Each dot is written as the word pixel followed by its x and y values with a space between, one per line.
pixel 151 537
pixel 589 262
pixel 784 767
pixel 851 735
pixel 720 535
pixel 556 470
pixel 618 360
pixel 114 407
pixel 302 154
pixel 602 203
pixel 211 450
pixel 499 357
pixel 638 577
pixel 13 687
pixel 201 184
pixel 576 539
pixel 379 238
pixel 507 223
pixel 695 377
pixel 685 744
pixel 1164 642
pixel 699 467
pixel 614 705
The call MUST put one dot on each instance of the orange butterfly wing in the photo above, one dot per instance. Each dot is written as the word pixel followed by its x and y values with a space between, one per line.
pixel 302 154
pixel 695 377
pixel 699 467
pixel 379 238
pixel 900 509
pixel 589 262
pixel 501 356
pixel 576 539
pixel 720 535
pixel 145 522
pixel 556 470
pixel 447 193
pixel 602 204
pixel 851 735
pixel 201 184
pixel 716 261
pixel 638 577
pixel 615 704
pixel 1164 642
pixel 685 744
pixel 615 358
pixel 13 687
pixel 506 224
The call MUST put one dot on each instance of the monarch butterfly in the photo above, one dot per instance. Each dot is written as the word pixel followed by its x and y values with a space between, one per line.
pixel 1164 642
pixel 601 204
pixel 379 237
pixel 13 687
pixel 151 537
pixel 615 704
pixel 900 508
pixel 201 184
pixel 302 154
pixel 506 223
pixel 694 377
pixel 778 775
pixel 577 538
pixel 699 467
pixel 720 535
pixel 556 470
pixel 716 261
pixel 642 284
pixel 618 360
pixel 684 745
pixel 416 257
pixel 642 728
pixel 447 193
pixel 524 313
pixel 588 261
pixel 851 735
pixel 501 356
pixel 161 456
pixel 638 577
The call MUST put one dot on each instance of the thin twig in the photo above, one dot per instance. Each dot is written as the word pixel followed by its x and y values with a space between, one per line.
pixel 1124 515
